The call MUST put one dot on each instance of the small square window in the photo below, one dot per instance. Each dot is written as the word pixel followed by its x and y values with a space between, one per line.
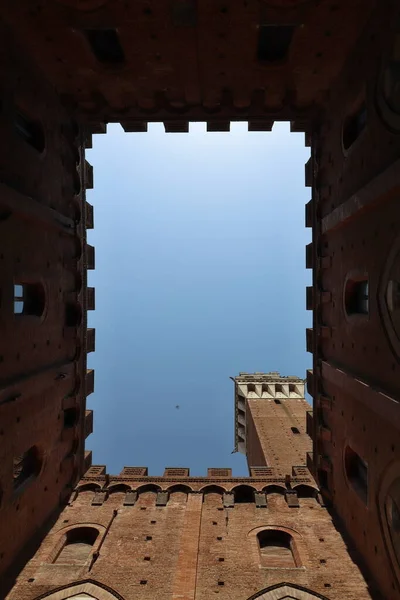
pixel 221 582
pixel 219 538
pixel 221 559
pixel 146 558
pixel 148 538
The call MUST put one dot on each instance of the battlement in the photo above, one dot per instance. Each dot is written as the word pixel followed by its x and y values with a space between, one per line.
pixel 261 386
pixel 298 474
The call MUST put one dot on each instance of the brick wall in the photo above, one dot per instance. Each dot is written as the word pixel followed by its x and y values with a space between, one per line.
pixel 355 218
pixel 189 536
pixel 270 438
pixel 42 349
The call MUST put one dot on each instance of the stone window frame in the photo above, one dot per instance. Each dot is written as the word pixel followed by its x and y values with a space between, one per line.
pixel 298 547
pixel 61 537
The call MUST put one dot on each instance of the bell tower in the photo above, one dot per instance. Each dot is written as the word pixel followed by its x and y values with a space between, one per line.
pixel 270 420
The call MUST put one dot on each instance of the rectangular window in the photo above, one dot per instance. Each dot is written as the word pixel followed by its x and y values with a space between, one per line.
pixel 105 45
pixel 18 299
pixel 274 42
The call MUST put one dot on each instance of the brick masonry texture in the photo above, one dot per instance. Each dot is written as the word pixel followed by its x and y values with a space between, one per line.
pixel 68 68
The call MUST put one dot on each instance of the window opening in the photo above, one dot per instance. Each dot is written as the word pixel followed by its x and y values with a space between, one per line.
pixel 26 466
pixel 77 546
pixel 274 42
pixel 105 45
pixel 29 299
pixel 276 549
pixel 243 494
pixel 354 125
pixel 29 130
pixel 295 430
pixel 356 296
pixel 357 473
pixel 70 417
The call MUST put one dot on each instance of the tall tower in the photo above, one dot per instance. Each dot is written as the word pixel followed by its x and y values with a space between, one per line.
pixel 270 420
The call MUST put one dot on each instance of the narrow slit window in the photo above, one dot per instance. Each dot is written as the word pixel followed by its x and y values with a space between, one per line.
pixel 274 42
pixel 105 45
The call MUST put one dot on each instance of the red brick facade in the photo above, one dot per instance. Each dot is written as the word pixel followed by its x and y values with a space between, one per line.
pixel 332 70
pixel 185 537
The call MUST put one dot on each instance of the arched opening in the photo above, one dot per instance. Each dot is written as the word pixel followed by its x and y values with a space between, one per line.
pixel 87 491
pixel 305 491
pixel 244 494
pixel 213 489
pixel 150 487
pixel 147 496
pixel 286 591
pixel 77 546
pixel 212 496
pixel 119 488
pixel 274 489
pixel 276 549
pixel 357 473
pixel 26 466
pixel 185 489
pixel 83 589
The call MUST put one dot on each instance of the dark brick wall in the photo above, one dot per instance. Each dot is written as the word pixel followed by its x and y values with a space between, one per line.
pixel 42 356
pixel 355 218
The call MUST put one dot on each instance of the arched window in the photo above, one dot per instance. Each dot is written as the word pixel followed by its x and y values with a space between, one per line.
pixel 276 549
pixel 243 494
pixel 26 466
pixel 77 546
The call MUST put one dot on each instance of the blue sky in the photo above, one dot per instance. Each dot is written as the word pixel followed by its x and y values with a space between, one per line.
pixel 200 273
